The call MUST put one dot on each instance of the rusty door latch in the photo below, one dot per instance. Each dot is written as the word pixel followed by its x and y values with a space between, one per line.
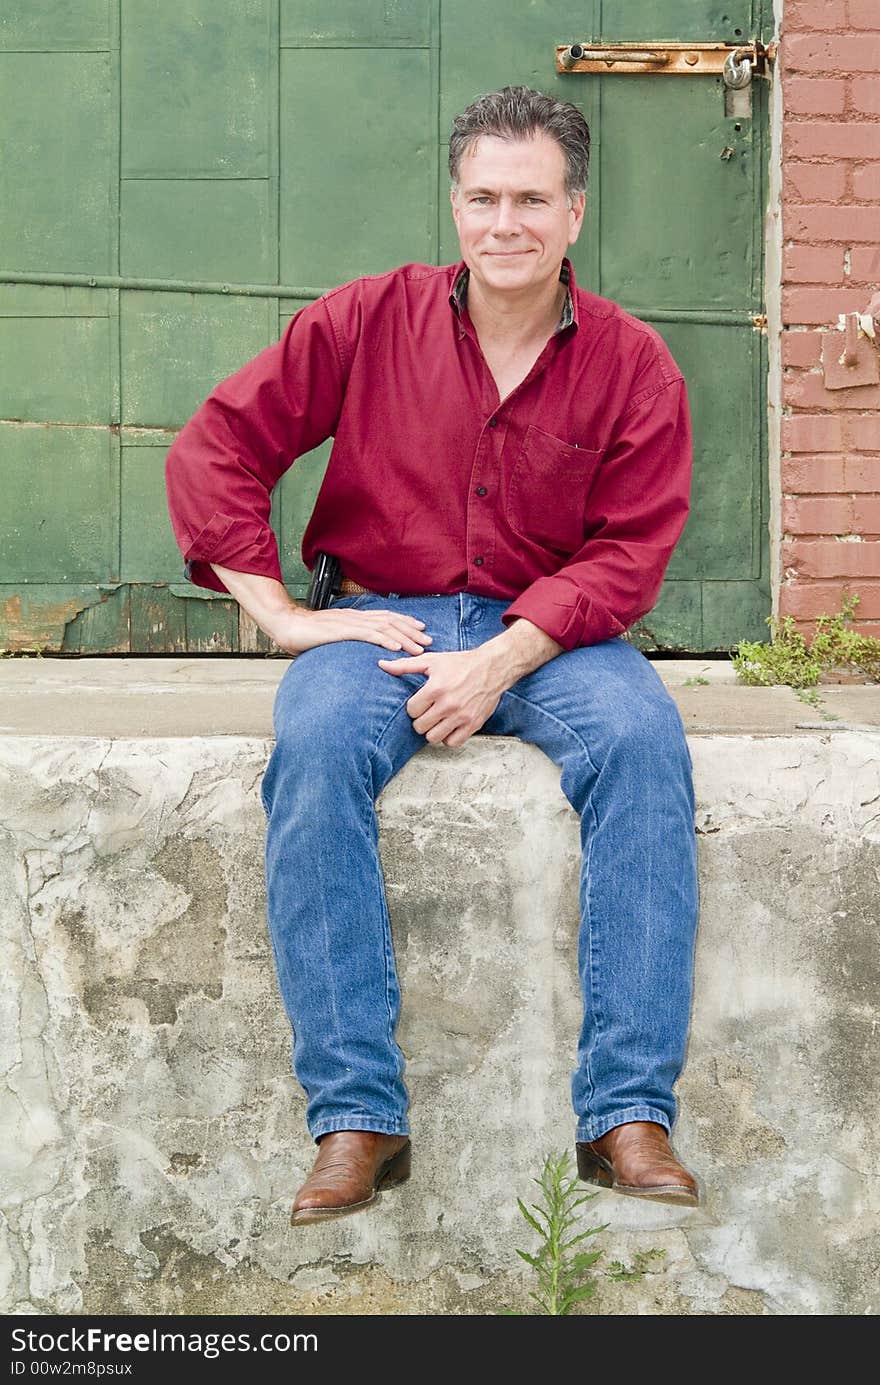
pixel 672 59
pixel 735 63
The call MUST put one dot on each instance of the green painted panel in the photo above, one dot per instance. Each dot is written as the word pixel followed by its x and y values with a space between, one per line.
pixel 149 437
pixel 148 549
pixel 162 623
pixel 199 229
pixel 176 347
pixel 707 616
pixel 58 138
pixel 489 45
pixel 211 626
pixel 42 540
pixel 294 498
pixel 297 492
pixel 101 627
pixel 675 621
pixel 133 618
pixel 55 369
pixel 449 248
pixel 52 300
pixel 734 611
pixel 145 619
pixel 721 539
pixel 375 22
pixel 677 219
pixel 55 24
pixel 713 21
pixel 158 625
pixel 357 164
pixel 38 615
pixel 287 307
pixel 195 95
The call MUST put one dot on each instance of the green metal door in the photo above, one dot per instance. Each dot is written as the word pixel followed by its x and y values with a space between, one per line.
pixel 179 176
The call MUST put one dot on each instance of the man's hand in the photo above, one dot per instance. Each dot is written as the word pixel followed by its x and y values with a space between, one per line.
pixel 297 628
pixel 301 628
pixel 463 689
pixel 465 686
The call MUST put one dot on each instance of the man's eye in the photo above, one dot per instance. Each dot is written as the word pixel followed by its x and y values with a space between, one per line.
pixel 479 199
pixel 535 199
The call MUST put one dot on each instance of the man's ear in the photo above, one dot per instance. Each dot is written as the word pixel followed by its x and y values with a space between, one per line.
pixel 579 206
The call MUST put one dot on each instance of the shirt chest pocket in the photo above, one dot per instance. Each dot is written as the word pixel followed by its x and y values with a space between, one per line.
pixel 548 489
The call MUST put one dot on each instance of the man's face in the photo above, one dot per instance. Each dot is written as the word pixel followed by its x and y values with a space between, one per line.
pixel 511 212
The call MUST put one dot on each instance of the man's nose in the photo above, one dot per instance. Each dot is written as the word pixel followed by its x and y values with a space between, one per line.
pixel 507 218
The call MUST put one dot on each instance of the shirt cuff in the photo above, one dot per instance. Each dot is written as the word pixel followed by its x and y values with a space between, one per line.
pixel 564 612
pixel 238 544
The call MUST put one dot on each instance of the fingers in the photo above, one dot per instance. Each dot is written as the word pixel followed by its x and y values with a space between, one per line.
pixel 397 617
pixel 458 738
pixel 389 642
pixel 403 665
pixel 437 735
pixel 395 631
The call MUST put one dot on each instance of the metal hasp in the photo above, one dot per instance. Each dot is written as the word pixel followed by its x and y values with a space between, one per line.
pixel 672 59
pixel 736 63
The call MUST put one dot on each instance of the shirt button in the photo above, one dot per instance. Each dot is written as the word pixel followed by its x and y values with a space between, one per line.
pixel 493 423
pixel 478 562
pixel 481 490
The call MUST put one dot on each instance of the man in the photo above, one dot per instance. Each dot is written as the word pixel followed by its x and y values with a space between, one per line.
pixel 509 476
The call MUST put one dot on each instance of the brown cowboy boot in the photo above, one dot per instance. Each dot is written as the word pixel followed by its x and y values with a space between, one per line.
pixel 637 1159
pixel 351 1167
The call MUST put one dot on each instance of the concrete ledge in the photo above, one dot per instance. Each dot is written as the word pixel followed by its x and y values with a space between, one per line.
pixel 153 1133
pixel 233 697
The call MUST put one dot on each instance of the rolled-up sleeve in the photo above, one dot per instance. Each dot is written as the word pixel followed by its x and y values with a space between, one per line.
pixel 637 509
pixel 222 466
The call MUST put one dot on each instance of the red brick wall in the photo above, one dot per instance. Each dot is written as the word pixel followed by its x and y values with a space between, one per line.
pixel 829 63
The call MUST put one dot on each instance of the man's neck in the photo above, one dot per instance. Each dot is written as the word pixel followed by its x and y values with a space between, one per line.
pixel 515 319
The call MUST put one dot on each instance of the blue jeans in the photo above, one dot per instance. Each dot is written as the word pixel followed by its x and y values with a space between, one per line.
pixel 342 732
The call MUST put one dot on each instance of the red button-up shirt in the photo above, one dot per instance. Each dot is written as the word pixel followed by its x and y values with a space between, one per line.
pixel 566 498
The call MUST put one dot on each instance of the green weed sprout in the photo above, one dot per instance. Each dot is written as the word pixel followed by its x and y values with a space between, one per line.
pixel 560 1267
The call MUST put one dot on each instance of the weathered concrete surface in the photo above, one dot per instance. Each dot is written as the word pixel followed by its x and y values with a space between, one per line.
pixel 153 1133
pixel 233 697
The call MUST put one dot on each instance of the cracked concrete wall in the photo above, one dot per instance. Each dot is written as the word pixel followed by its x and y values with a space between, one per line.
pixel 152 1131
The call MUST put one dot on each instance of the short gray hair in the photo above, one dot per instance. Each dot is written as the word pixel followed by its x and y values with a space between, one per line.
pixel 522 113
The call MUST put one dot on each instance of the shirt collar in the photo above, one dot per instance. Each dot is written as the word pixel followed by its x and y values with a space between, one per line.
pixel 568 316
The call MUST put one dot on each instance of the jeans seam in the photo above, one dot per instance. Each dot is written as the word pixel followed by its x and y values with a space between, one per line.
pixel 387 943
pixel 588 921
pixel 559 722
pixel 621 1117
pixel 591 962
pixel 376 1124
